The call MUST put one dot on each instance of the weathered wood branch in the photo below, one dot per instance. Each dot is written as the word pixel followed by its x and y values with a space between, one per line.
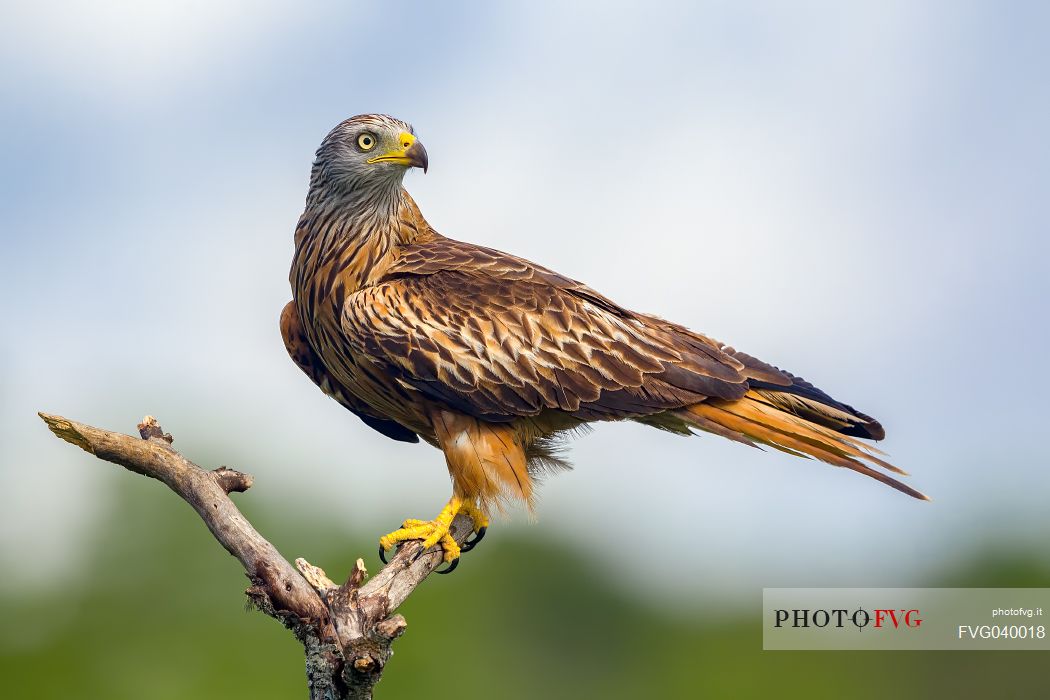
pixel 346 630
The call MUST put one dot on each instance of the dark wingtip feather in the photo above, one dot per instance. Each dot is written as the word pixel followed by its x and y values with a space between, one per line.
pixel 872 430
pixel 861 424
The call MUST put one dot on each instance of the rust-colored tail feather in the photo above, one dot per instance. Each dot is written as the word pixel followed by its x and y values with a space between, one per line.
pixel 759 417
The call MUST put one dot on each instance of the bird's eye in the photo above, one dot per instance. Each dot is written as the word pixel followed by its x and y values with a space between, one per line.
pixel 366 142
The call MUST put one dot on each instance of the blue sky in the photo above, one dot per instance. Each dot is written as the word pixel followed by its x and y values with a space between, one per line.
pixel 855 192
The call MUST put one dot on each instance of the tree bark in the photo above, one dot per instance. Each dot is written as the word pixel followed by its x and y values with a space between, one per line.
pixel 346 630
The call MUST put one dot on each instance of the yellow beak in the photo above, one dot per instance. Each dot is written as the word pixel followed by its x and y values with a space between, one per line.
pixel 410 154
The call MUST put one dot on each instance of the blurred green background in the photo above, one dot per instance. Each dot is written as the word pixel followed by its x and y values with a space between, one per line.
pixel 157 612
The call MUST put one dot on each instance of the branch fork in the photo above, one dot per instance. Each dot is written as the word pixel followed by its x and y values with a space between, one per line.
pixel 347 630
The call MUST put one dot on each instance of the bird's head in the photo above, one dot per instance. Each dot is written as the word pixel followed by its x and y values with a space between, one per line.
pixel 369 151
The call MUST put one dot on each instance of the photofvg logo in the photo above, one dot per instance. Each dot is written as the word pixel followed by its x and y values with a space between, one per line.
pixel 859 618
pixel 904 618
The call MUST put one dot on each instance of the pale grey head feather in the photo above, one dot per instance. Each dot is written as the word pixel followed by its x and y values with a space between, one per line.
pixel 341 166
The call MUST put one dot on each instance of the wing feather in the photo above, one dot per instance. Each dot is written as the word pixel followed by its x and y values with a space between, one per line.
pixel 501 348
pixel 501 337
pixel 306 359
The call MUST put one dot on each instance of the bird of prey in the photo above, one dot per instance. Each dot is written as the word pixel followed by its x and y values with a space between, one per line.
pixel 493 359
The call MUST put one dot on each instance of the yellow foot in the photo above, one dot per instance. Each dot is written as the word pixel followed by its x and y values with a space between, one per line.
pixel 436 531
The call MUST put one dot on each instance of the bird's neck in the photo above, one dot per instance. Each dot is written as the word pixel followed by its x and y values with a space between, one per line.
pixel 345 240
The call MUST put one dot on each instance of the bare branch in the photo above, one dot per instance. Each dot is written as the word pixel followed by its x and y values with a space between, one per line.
pixel 346 630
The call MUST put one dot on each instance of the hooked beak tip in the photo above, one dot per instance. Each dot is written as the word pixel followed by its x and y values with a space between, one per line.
pixel 417 156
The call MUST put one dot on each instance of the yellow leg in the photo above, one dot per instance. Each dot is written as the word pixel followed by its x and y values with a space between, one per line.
pixel 437 530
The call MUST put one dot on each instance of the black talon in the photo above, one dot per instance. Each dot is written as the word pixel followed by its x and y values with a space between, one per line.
pixel 466 547
pixel 451 567
pixel 382 552
pixel 471 543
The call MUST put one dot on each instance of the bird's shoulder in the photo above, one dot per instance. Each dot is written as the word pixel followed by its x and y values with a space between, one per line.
pixel 439 255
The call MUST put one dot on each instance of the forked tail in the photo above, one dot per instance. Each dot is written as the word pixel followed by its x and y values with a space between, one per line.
pixel 800 426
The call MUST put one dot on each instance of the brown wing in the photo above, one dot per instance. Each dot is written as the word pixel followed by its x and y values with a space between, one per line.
pixel 497 337
pixel 448 255
pixel 514 285
pixel 303 356
pixel 797 395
